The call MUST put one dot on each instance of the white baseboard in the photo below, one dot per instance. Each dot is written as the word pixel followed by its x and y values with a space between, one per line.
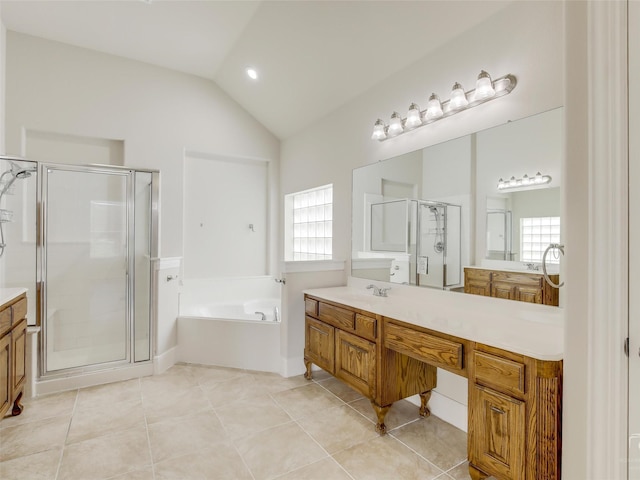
pixel 292 367
pixel 164 361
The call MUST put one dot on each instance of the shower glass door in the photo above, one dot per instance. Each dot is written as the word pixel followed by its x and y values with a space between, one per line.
pixel 86 237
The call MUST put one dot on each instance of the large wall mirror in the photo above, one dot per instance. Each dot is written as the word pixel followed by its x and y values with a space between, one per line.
pixel 421 217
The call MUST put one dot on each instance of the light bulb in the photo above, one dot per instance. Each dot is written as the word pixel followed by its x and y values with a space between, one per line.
pixel 484 88
pixel 458 97
pixel 252 73
pixel 395 125
pixel 525 180
pixel 538 178
pixel 414 118
pixel 501 184
pixel 378 131
pixel 513 182
pixel 434 108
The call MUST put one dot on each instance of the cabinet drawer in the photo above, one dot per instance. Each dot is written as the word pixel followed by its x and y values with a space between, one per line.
pixel 19 310
pixel 366 326
pixel 499 373
pixel 311 307
pixel 336 316
pixel 424 347
pixel 474 274
pixel 5 321
pixel 528 279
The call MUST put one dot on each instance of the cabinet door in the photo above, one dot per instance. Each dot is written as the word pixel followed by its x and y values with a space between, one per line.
pixel 477 282
pixel 528 294
pixel 5 383
pixel 356 362
pixel 496 433
pixel 502 290
pixel 319 343
pixel 18 355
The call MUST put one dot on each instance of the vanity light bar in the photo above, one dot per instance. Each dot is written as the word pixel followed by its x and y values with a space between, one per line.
pixel 486 89
pixel 523 183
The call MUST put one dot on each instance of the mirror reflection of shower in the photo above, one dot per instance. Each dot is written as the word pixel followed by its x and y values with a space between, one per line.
pixel 438 243
pixel 7 179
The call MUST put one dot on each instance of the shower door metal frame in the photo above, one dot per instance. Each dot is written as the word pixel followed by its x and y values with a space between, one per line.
pixel 41 262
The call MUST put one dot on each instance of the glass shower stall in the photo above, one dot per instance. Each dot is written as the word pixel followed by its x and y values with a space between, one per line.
pixel 97 236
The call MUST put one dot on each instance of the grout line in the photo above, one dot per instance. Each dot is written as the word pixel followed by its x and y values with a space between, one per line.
pixel 146 428
pixel 64 445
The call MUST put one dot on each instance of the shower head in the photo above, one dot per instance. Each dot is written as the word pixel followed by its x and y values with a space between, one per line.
pixel 19 171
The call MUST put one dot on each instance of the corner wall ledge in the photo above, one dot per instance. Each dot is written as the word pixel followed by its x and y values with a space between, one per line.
pixel 312 266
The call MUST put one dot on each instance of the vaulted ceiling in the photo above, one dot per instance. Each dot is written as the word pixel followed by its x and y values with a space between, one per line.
pixel 311 56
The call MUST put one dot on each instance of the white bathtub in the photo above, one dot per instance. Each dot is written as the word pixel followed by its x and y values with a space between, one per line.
pixel 232 322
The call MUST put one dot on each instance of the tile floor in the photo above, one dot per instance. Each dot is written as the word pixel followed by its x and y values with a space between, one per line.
pixel 196 422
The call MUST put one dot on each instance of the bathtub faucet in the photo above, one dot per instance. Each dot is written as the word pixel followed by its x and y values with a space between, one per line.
pixel 263 317
pixel 377 291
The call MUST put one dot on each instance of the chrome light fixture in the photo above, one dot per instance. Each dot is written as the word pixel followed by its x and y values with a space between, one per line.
pixel 486 89
pixel 524 183
pixel 395 125
pixel 414 117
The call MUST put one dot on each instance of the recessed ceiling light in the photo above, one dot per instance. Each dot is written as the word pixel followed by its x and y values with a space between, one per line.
pixel 252 72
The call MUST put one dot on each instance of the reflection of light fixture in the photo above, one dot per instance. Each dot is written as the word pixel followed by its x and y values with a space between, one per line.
pixel 414 117
pixel 524 183
pixel 485 90
pixel 395 125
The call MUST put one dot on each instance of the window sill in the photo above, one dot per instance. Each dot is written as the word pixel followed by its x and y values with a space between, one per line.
pixel 312 266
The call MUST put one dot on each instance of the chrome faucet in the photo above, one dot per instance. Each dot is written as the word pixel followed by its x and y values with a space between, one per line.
pixel 377 291
pixel 532 266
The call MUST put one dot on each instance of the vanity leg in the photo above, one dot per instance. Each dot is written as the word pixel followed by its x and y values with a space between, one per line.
pixel 307 374
pixel 381 412
pixel 476 474
pixel 17 408
pixel 424 400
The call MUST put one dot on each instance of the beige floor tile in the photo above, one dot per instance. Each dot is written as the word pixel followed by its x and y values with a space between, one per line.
pixel 108 395
pixel 172 381
pixel 325 469
pixel 340 389
pixel 319 375
pixel 274 383
pixel 442 443
pixel 48 406
pixel 181 435
pixel 400 413
pixel 145 473
pixel 175 402
pixel 222 393
pixel 461 472
pixel 250 415
pixel 338 428
pixel 33 437
pixel 97 421
pixel 385 459
pixel 106 456
pixel 302 401
pixel 39 466
pixel 209 374
pixel 221 462
pixel 278 450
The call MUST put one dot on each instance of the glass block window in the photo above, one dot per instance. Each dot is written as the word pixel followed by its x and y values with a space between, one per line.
pixel 310 224
pixel 535 236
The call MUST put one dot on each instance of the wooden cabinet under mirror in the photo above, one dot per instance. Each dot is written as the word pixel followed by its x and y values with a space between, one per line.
pixel 514 400
pixel 520 286
pixel 13 342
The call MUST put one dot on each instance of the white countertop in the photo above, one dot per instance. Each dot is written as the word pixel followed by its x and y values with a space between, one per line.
pixel 8 294
pixel 533 330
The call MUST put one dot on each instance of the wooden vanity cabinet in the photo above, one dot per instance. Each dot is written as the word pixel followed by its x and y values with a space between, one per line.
pixel 13 342
pixel 345 342
pixel 520 286
pixel 514 429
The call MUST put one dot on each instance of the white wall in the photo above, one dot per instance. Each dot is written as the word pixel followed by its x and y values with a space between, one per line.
pixel 3 42
pixel 158 113
pixel 524 39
